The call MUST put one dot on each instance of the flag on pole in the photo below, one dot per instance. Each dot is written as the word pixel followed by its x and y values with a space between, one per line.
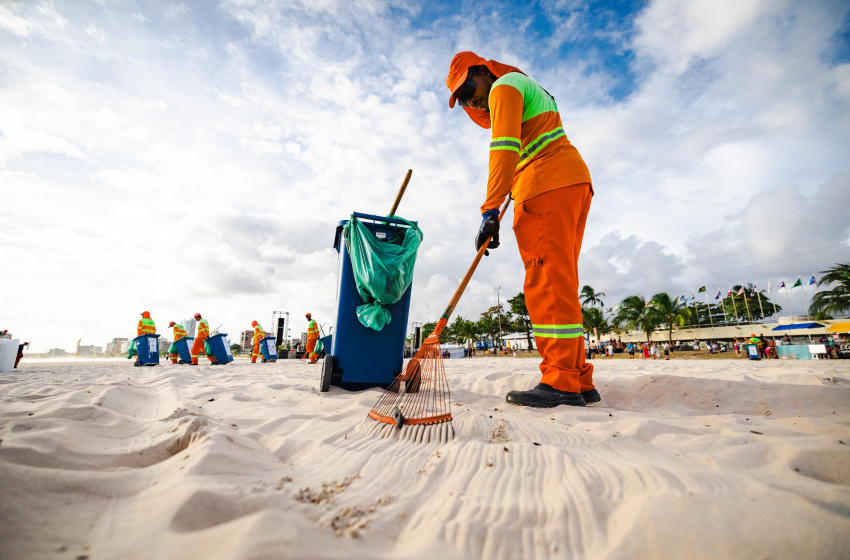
pixel 647 303
pixel 812 280
pixel 618 308
pixel 729 293
pixel 782 285
pixel 609 310
pixel 799 282
pixel 755 286
pixel 768 286
pixel 79 341
pixel 741 291
pixel 701 290
pixel 718 294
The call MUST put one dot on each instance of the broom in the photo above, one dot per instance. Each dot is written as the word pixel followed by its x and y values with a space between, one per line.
pixel 417 405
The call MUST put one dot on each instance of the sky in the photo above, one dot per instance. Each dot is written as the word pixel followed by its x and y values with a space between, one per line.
pixel 196 157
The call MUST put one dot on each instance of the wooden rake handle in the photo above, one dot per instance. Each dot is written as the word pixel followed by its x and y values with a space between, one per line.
pixel 460 289
pixel 401 192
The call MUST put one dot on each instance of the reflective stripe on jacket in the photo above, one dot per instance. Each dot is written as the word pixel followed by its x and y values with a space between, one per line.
pixel 312 329
pixel 529 151
pixel 146 326
pixel 203 329
pixel 259 334
pixel 179 332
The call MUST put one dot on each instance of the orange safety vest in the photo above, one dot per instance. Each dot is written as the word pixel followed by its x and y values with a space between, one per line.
pixel 259 334
pixel 179 332
pixel 146 326
pixel 203 329
pixel 312 330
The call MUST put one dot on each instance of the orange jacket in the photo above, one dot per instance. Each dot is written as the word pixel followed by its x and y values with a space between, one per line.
pixel 146 325
pixel 529 151
pixel 259 334
pixel 312 330
pixel 203 329
pixel 179 332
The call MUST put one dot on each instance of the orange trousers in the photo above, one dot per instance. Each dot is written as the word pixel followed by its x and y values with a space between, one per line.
pixel 255 353
pixel 549 229
pixel 198 349
pixel 311 345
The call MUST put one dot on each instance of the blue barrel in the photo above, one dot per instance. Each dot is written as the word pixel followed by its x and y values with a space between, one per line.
pixel 147 348
pixel 363 357
pixel 184 348
pixel 327 343
pixel 753 352
pixel 268 349
pixel 220 348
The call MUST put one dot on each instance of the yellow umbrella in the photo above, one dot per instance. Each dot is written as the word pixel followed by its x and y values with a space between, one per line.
pixel 839 327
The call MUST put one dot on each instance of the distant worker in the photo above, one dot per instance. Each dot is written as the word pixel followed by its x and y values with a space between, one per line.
pixel 203 334
pixel 179 332
pixel 259 335
pixel 20 352
pixel 312 339
pixel 145 326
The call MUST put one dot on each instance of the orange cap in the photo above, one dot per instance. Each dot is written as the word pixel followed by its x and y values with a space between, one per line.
pixel 459 70
pixel 171 324
pixel 254 323
pixel 308 315
pixel 146 314
pixel 197 314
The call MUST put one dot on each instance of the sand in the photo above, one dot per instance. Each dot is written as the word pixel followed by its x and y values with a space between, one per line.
pixel 681 459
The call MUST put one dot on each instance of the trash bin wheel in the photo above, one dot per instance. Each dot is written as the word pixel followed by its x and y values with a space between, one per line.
pixel 181 362
pixel 137 363
pixel 264 360
pixel 327 372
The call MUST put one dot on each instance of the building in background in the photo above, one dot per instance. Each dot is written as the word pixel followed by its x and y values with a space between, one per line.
pixel 89 350
pixel 247 340
pixel 56 353
pixel 164 344
pixel 117 346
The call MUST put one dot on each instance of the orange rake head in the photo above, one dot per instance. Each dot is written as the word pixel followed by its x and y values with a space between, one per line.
pixel 419 396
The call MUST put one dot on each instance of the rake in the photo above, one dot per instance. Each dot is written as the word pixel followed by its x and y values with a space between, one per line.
pixel 417 405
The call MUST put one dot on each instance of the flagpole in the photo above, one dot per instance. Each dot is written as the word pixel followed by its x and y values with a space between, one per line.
pixel 805 302
pixel 735 307
pixel 708 306
pixel 750 317
pixel 758 295
pixel 787 297
pixel 771 299
pixel 693 297
pixel 725 316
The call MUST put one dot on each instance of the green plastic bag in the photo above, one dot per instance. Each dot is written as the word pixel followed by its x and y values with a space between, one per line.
pixel 383 268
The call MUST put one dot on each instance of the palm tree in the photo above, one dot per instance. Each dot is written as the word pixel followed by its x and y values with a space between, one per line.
pixel 837 300
pixel 594 321
pixel 635 314
pixel 668 310
pixel 590 296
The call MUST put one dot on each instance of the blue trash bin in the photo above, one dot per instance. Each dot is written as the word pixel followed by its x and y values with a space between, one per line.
pixel 184 348
pixel 268 349
pixel 220 348
pixel 753 352
pixel 147 349
pixel 359 357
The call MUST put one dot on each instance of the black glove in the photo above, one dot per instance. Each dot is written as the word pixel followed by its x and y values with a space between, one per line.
pixel 489 226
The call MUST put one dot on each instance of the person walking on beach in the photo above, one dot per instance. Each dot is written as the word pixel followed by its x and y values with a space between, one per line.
pixel 645 346
pixel 145 326
pixel 630 348
pixel 531 158
pixel 666 351
pixel 259 335
pixel 179 332
pixel 654 351
pixel 312 339
pixel 610 348
pixel 203 334
pixel 20 353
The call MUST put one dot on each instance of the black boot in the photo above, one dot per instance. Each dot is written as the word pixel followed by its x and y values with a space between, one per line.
pixel 544 396
pixel 591 396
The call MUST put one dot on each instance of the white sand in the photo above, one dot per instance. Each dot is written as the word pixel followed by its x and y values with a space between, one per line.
pixel 682 459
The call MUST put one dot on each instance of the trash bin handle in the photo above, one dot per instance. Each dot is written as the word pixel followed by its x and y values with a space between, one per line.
pixel 386 219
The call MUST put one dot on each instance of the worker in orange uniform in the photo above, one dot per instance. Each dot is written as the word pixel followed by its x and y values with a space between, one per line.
pixel 312 339
pixel 531 158
pixel 179 332
pixel 259 335
pixel 198 346
pixel 145 326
